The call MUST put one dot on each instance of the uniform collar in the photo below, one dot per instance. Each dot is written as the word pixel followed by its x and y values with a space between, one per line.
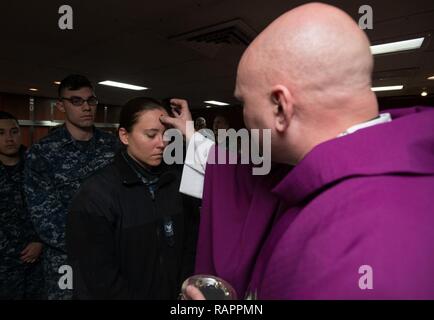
pixel 66 137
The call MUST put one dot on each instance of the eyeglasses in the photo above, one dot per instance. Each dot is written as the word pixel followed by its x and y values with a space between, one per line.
pixel 78 101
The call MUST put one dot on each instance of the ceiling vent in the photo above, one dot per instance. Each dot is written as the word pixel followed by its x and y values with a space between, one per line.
pixel 211 39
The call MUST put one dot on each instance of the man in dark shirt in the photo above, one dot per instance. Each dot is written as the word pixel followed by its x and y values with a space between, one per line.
pixel 21 275
pixel 55 168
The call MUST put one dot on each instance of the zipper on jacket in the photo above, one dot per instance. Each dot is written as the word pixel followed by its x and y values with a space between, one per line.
pixel 160 248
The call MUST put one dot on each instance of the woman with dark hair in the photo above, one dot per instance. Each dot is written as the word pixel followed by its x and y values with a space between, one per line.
pixel 130 233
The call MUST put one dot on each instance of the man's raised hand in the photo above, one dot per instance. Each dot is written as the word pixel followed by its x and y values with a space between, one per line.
pixel 181 114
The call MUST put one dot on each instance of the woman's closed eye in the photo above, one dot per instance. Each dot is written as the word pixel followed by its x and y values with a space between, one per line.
pixel 151 133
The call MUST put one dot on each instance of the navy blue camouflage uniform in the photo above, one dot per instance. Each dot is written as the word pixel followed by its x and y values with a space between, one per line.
pixel 18 280
pixel 54 170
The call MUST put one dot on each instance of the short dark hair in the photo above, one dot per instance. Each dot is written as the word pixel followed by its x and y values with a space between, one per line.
pixel 7 115
pixel 131 110
pixel 74 82
pixel 225 119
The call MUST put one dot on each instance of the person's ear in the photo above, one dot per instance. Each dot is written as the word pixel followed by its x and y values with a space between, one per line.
pixel 283 107
pixel 123 135
pixel 60 106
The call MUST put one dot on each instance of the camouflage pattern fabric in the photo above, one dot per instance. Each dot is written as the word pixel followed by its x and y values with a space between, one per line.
pixel 54 170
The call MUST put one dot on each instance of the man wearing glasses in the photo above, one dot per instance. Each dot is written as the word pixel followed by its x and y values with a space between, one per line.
pixel 55 168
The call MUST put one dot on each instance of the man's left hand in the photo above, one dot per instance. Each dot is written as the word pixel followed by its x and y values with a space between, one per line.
pixel 31 252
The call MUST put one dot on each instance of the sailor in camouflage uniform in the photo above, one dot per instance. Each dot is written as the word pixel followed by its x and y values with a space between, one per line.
pixel 56 167
pixel 21 274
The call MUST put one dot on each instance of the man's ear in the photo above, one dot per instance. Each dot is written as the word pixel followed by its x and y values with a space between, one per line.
pixel 60 106
pixel 123 135
pixel 283 107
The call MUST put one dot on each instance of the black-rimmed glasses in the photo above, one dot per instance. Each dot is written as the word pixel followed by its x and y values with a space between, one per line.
pixel 79 101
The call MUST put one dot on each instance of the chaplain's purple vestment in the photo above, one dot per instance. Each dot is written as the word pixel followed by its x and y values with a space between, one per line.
pixel 353 220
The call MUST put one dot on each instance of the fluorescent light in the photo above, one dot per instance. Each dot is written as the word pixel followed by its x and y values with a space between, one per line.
pixel 397 46
pixel 424 93
pixel 217 103
pixel 387 88
pixel 431 78
pixel 33 89
pixel 121 85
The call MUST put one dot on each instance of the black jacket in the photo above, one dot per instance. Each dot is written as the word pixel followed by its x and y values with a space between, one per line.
pixel 126 242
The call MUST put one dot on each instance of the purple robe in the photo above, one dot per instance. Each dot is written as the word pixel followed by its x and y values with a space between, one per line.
pixel 365 199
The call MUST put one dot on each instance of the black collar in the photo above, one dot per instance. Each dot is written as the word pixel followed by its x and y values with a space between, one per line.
pixel 130 175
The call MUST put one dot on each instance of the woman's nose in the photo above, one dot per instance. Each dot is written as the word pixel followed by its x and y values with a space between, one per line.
pixel 161 143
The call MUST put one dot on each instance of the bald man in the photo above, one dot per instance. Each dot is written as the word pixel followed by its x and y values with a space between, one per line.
pixel 354 219
pixel 199 123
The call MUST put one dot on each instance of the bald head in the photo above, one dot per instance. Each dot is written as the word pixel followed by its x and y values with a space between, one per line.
pixel 314 47
pixel 317 58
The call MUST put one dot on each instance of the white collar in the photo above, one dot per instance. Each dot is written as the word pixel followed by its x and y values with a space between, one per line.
pixel 382 118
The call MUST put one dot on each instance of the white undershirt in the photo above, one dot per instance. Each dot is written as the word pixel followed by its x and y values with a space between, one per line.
pixel 382 118
pixel 193 174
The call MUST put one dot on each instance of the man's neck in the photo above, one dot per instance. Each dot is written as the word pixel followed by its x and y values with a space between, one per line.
pixel 337 123
pixel 80 134
pixel 9 160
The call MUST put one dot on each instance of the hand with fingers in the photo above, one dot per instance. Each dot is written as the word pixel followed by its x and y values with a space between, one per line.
pixel 31 252
pixel 181 114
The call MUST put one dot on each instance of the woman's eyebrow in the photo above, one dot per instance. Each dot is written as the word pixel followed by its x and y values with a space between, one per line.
pixel 154 130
